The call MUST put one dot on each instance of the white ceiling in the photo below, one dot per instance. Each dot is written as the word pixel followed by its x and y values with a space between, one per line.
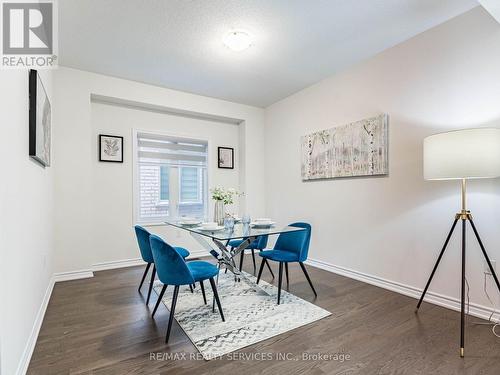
pixel 178 43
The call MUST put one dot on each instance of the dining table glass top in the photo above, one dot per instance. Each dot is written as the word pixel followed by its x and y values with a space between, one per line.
pixel 240 231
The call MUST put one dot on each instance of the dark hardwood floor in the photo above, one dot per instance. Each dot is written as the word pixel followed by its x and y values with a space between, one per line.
pixel 102 326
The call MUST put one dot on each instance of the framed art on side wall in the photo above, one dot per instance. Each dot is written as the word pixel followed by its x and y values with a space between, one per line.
pixel 357 149
pixel 226 157
pixel 110 148
pixel 40 119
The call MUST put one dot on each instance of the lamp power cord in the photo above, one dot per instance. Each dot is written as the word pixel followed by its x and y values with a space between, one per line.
pixel 490 321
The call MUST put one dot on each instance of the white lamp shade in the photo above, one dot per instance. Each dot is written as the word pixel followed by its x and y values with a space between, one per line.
pixel 470 153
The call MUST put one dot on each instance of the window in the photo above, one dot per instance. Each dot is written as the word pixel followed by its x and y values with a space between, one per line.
pixel 190 185
pixel 164 188
pixel 171 178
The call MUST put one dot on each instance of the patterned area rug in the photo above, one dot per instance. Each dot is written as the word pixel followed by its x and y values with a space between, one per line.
pixel 250 310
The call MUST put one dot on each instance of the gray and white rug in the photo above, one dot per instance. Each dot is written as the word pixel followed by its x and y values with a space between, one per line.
pixel 250 310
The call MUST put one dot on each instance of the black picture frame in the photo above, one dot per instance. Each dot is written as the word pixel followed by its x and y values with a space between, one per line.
pixel 223 163
pixel 112 158
pixel 40 120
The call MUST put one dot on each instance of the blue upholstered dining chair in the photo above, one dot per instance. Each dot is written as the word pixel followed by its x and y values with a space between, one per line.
pixel 174 270
pixel 290 247
pixel 145 248
pixel 259 243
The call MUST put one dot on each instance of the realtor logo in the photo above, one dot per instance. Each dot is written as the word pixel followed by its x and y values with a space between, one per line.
pixel 28 34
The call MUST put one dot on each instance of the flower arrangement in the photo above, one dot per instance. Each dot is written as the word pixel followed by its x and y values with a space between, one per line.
pixel 225 195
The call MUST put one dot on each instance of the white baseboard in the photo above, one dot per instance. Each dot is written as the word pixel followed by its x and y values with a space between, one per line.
pixel 30 345
pixel 103 266
pixel 431 297
pixel 73 275
pixel 476 310
pixel 198 254
pixel 67 276
pixel 32 339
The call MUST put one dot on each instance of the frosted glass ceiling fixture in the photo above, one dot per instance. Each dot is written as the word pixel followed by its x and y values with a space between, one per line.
pixel 237 40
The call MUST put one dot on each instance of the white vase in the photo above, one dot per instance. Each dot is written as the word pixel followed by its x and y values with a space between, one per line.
pixel 219 213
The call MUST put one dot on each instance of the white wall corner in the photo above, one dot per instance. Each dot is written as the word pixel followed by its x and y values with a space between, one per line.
pixel 30 344
pixel 492 7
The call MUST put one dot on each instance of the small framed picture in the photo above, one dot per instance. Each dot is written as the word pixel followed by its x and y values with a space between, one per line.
pixel 110 148
pixel 226 157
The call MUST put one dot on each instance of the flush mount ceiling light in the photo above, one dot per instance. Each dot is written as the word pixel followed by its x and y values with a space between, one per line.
pixel 237 40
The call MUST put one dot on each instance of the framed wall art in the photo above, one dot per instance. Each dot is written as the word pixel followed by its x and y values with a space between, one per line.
pixel 40 120
pixel 357 149
pixel 226 157
pixel 110 148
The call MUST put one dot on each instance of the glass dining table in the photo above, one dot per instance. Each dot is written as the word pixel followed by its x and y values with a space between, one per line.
pixel 217 242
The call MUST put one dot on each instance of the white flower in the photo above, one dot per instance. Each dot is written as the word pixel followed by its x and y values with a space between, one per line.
pixel 225 195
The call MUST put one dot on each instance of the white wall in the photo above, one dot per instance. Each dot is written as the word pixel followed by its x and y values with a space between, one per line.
pixel 26 222
pixel 111 193
pixel 393 227
pixel 85 238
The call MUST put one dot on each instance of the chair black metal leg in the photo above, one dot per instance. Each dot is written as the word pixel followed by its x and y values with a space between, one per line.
pixel 144 276
pixel 217 283
pixel 151 284
pixel 437 263
pixel 203 292
pixel 216 295
pixel 287 280
pixel 242 254
pixel 260 269
pixel 269 267
pixel 280 277
pixel 172 310
pixel 307 277
pixel 191 288
pixel 159 300
pixel 253 259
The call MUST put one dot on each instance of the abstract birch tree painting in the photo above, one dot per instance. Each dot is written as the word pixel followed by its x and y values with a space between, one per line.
pixel 356 149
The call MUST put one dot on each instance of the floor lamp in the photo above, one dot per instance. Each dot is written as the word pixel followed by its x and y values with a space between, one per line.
pixel 462 155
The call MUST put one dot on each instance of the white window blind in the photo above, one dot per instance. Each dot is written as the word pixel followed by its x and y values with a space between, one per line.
pixel 164 183
pixel 172 177
pixel 190 185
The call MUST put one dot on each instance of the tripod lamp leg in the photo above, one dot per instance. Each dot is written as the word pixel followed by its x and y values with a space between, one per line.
pixel 462 301
pixel 437 263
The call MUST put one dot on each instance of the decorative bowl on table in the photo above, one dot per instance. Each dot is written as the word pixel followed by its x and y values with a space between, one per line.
pixel 189 222
pixel 262 223
pixel 210 226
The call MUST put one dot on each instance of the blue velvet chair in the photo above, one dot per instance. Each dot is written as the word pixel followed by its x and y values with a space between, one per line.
pixel 290 247
pixel 259 243
pixel 145 248
pixel 174 270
